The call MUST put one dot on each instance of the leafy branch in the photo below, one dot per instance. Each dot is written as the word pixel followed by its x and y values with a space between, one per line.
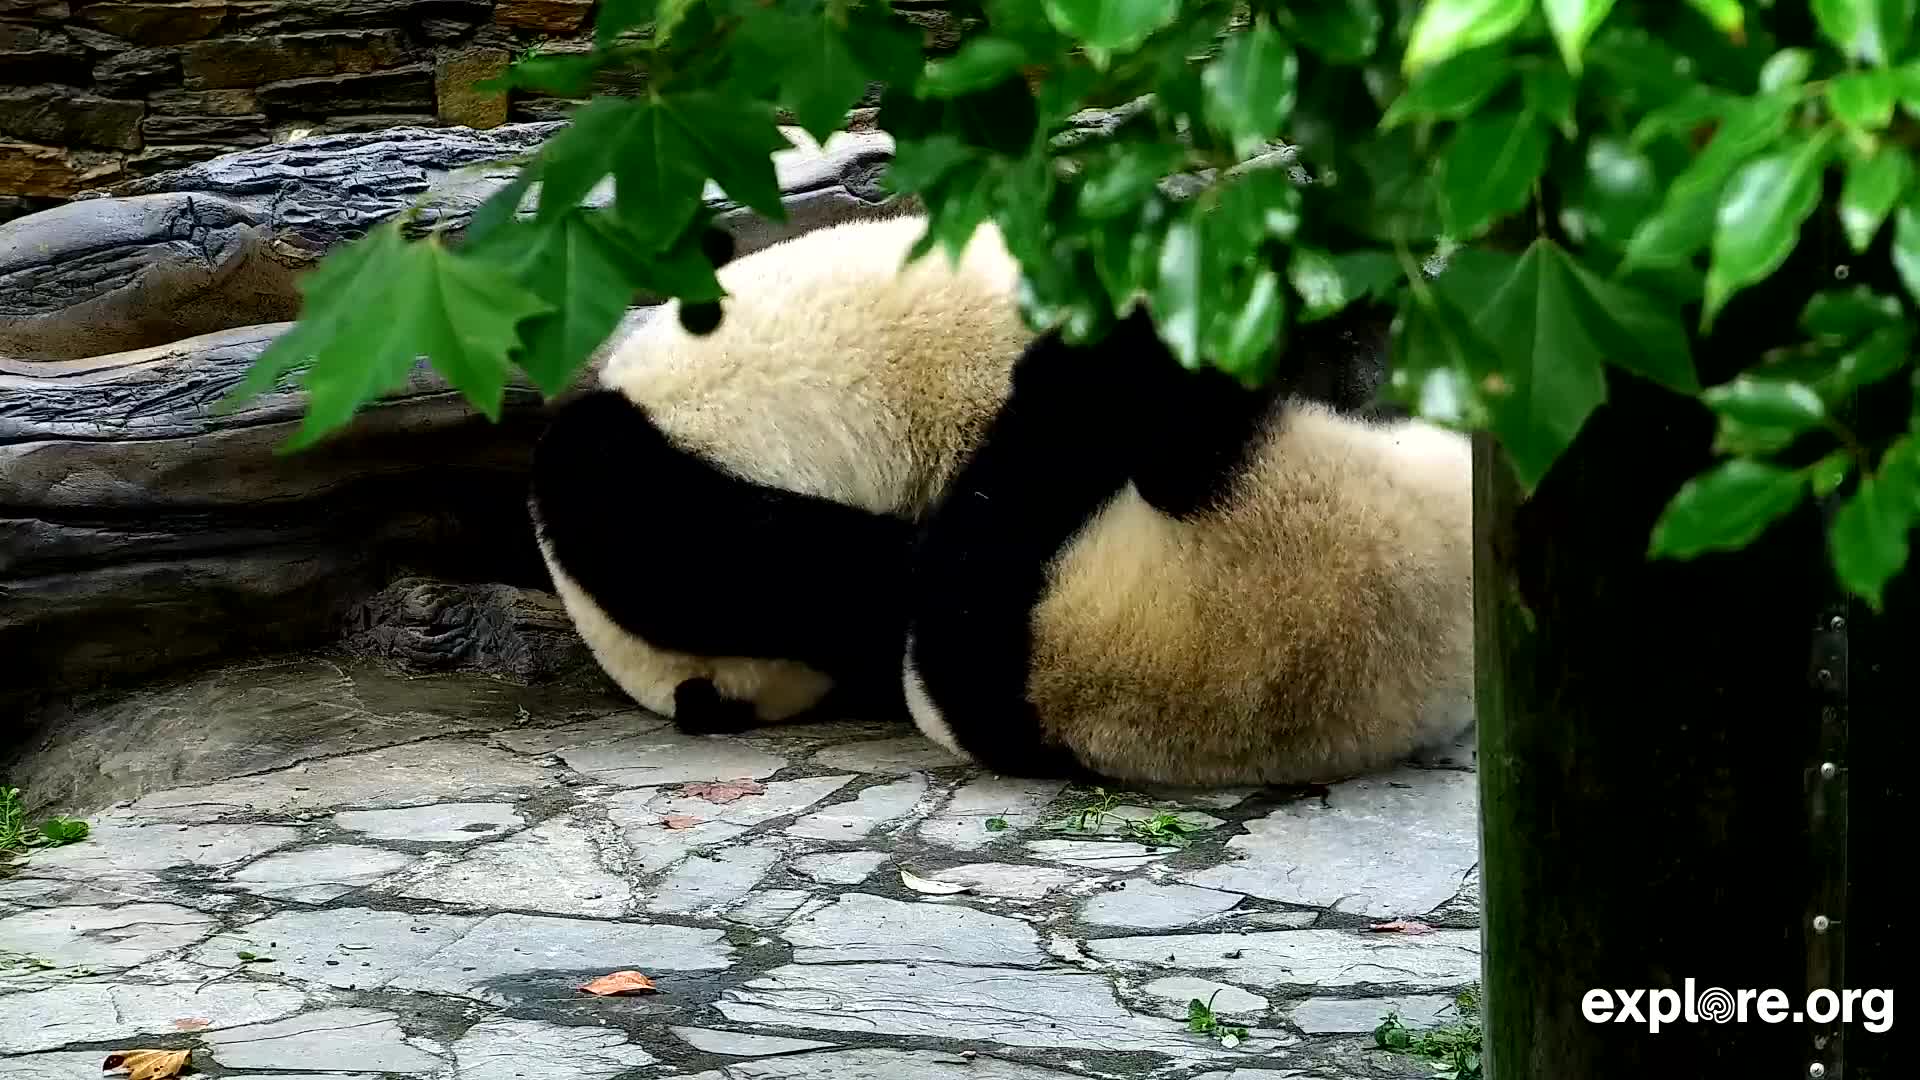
pixel 1603 179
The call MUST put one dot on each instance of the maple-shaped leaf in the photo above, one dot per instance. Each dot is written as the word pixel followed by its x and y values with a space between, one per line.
pixel 679 821
pixel 147 1064
pixel 724 791
pixel 620 982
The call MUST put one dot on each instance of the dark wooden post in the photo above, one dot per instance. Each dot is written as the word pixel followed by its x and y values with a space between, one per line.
pixel 1653 807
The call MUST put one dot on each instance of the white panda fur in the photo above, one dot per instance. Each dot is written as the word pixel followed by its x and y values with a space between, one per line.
pixel 1290 601
pixel 839 374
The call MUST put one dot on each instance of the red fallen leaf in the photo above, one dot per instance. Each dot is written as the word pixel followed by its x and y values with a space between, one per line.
pixel 621 982
pixel 1401 926
pixel 192 1023
pixel 724 791
pixel 679 821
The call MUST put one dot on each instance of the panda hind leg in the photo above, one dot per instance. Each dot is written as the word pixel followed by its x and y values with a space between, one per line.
pixel 699 709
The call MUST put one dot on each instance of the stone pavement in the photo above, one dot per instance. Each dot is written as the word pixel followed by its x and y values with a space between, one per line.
pixel 326 871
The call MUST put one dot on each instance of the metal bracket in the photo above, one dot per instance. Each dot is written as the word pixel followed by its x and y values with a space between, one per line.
pixel 1826 792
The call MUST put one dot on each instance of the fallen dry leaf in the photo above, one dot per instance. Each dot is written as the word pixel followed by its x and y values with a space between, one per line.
pixel 147 1064
pixel 931 888
pixel 1401 926
pixel 621 982
pixel 724 791
pixel 679 821
pixel 192 1023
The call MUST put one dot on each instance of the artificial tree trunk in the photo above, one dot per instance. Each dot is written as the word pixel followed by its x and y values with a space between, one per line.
pixel 1652 733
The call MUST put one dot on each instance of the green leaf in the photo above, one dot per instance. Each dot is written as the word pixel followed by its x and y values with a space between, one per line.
pixel 1180 288
pixel 1785 70
pixel 734 140
pixel 604 131
pixel 1442 362
pixel 1341 31
pixel 1573 23
pixel 460 312
pixel 1880 355
pixel 980 63
pixel 1683 115
pixel 917 164
pixel 1242 339
pixel 1251 88
pixel 1759 217
pixel 1863 99
pixel 581 273
pixel 1447 27
pixel 1874 184
pixel 1489 169
pixel 619 16
pixel 1552 360
pixel 1549 91
pixel 567 75
pixel 1256 206
pixel 1725 15
pixel 500 208
pixel 1111 25
pixel 60 831
pixel 1327 284
pixel 1827 474
pixel 1760 402
pixel 1117 181
pixel 1750 126
pixel 1906 246
pixel 1726 508
pixel 1873 31
pixel 1449 89
pixel 343 283
pixel 1868 537
pixel 1848 313
pixel 1681 227
pixel 1636 332
pixel 1617 190
pixel 806 57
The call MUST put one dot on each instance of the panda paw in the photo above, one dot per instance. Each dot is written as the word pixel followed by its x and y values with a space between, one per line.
pixel 698 709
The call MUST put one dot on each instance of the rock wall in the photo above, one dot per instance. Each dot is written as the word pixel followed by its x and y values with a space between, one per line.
pixel 96 94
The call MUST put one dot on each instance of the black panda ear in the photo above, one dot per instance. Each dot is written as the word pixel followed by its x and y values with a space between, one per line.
pixel 718 246
pixel 700 319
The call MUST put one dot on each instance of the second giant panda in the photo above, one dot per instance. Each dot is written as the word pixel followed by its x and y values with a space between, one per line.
pixel 728 517
pixel 1146 574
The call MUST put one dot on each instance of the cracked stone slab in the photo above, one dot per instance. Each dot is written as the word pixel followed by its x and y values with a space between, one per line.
pixel 909 753
pixel 1226 1000
pixel 352 1038
pixel 606 728
pixel 1011 881
pixel 98 937
pixel 873 1064
pixel 872 808
pixel 1392 846
pixel 962 823
pixel 114 848
pixel 667 757
pixel 1109 855
pixel 1145 906
pixel 840 867
pixel 98 1012
pixel 318 874
pixel 641 816
pixel 860 926
pixel 510 956
pixel 1341 1016
pixel 1319 958
pixel 346 948
pixel 441 823
pixel 739 1043
pixel 1009 1006
pixel 503 1049
pixel 700 883
pixel 440 770
pixel 769 907
pixel 553 867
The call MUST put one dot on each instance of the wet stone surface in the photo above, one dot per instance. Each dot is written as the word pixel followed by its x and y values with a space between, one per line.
pixel 427 903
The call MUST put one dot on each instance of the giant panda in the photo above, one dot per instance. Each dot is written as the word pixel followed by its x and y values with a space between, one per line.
pixel 728 516
pixel 1145 574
